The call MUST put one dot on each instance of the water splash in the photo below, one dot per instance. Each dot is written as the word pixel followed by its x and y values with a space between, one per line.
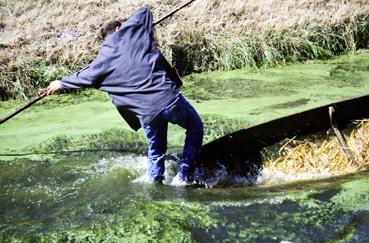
pixel 272 177
pixel 136 166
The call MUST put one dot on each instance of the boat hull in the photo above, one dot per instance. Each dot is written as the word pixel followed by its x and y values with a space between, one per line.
pixel 239 152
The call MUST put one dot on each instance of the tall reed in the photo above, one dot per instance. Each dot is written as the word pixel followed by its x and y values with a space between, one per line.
pixel 39 36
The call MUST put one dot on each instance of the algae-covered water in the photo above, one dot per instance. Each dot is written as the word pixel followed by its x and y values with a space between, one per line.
pixel 70 170
pixel 86 197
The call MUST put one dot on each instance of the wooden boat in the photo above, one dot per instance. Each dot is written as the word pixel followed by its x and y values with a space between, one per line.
pixel 239 152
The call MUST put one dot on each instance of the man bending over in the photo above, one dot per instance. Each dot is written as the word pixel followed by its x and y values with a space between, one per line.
pixel 144 88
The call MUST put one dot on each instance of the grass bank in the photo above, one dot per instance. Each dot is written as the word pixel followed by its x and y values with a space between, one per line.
pixel 44 40
pixel 227 101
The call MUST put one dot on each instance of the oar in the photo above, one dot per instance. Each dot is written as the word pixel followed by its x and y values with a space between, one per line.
pixel 40 97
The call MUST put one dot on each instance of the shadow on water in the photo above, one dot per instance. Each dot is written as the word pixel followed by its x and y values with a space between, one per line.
pixel 92 196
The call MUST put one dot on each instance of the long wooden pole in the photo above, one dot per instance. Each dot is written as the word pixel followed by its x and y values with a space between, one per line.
pixel 173 12
pixel 40 97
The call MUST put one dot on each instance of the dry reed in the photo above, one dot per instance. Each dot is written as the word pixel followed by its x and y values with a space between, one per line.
pixel 63 34
pixel 325 157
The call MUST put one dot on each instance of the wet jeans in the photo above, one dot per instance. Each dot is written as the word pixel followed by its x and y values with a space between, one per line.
pixel 178 112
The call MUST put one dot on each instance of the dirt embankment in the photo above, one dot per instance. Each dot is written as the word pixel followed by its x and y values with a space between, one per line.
pixel 46 39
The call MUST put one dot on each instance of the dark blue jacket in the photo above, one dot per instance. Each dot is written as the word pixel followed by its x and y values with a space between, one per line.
pixel 132 70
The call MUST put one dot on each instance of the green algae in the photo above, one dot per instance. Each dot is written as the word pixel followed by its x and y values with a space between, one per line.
pixel 75 199
pixel 345 71
pixel 320 211
pixel 150 222
pixel 354 196
pixel 243 97
pixel 75 196
pixel 80 198
pixel 121 140
pixel 113 139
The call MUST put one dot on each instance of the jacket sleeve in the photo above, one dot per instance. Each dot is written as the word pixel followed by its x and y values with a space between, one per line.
pixel 142 16
pixel 145 18
pixel 92 75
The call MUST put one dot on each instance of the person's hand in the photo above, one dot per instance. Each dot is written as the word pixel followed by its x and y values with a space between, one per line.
pixel 54 86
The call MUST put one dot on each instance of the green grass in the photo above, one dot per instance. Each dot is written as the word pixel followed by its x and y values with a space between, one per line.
pixel 254 47
pixel 294 44
pixel 227 101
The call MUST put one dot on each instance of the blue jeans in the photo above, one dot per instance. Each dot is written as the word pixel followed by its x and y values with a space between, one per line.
pixel 178 112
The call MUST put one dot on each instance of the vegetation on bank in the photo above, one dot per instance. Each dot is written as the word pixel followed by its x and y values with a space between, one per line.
pixel 45 40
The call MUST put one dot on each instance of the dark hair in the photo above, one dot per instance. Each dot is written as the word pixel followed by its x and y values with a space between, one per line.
pixel 109 27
